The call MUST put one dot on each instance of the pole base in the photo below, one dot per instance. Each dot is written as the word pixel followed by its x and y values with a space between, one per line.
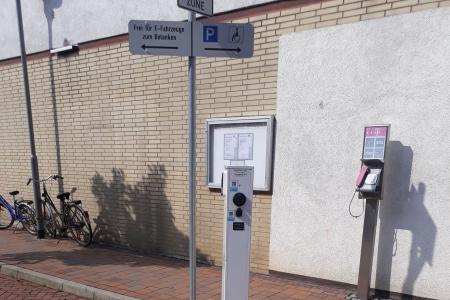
pixel 41 234
pixel 352 296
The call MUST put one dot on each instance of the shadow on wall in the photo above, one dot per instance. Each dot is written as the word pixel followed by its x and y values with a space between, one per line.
pixel 49 7
pixel 138 216
pixel 403 209
pixel 49 11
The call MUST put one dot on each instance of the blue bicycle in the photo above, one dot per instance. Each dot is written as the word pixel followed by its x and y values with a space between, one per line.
pixel 21 211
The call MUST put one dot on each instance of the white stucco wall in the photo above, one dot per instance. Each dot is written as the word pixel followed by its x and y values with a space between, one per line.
pixel 332 82
pixel 85 20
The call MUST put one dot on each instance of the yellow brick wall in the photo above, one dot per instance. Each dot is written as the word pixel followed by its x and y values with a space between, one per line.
pixel 122 128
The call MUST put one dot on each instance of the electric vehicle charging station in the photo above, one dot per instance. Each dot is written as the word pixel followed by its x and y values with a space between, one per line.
pixel 237 188
pixel 369 185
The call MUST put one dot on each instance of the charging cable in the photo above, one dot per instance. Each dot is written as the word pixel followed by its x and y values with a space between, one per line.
pixel 350 207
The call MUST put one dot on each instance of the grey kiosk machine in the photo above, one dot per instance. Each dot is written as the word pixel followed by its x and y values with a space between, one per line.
pixel 237 188
pixel 369 185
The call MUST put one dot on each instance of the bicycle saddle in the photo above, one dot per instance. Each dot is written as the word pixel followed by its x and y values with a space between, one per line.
pixel 63 196
pixel 13 193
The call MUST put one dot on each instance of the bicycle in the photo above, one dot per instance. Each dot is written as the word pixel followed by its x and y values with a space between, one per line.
pixel 21 211
pixel 73 217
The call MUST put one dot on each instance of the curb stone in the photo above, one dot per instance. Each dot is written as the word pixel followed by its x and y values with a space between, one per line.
pixel 59 284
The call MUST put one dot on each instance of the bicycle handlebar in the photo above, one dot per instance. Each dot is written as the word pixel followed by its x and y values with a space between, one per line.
pixel 54 177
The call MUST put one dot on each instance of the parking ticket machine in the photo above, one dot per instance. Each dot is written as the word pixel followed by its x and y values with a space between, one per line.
pixel 369 185
pixel 237 188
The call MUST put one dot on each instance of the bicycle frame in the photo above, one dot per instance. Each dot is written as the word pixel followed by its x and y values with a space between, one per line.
pixel 11 209
pixel 47 199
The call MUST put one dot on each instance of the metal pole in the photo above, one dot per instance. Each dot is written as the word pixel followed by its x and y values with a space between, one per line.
pixel 34 160
pixel 192 179
pixel 367 247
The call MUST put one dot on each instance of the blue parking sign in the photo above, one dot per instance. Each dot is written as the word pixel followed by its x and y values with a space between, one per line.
pixel 210 34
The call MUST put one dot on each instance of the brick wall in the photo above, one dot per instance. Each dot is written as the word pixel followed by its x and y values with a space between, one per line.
pixel 115 125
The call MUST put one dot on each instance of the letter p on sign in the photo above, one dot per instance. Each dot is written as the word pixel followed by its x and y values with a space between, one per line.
pixel 210 34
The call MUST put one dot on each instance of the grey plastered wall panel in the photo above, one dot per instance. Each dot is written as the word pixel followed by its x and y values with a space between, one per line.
pixel 331 83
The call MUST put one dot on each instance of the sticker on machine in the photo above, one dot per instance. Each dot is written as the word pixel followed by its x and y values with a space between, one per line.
pixel 234 186
pixel 230 216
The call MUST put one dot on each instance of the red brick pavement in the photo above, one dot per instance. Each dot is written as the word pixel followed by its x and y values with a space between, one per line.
pixel 144 277
pixel 14 289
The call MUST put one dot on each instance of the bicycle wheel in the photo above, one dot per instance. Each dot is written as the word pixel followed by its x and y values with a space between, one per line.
pixel 49 220
pixel 79 225
pixel 6 219
pixel 27 216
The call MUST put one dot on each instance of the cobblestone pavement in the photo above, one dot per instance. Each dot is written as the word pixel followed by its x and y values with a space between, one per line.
pixel 13 289
pixel 144 277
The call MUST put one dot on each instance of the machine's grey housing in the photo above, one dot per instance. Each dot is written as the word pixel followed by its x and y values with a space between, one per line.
pixel 238 192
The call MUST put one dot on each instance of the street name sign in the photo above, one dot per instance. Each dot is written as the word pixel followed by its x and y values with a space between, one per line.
pixel 204 7
pixel 159 38
pixel 223 40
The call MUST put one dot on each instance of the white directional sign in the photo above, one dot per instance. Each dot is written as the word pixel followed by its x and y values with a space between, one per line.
pixel 223 40
pixel 159 38
pixel 204 7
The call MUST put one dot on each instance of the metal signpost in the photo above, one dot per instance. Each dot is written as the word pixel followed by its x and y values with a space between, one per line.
pixel 192 174
pixel 191 39
pixel 204 7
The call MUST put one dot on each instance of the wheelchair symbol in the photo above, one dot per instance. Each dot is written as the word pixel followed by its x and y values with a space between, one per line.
pixel 235 35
